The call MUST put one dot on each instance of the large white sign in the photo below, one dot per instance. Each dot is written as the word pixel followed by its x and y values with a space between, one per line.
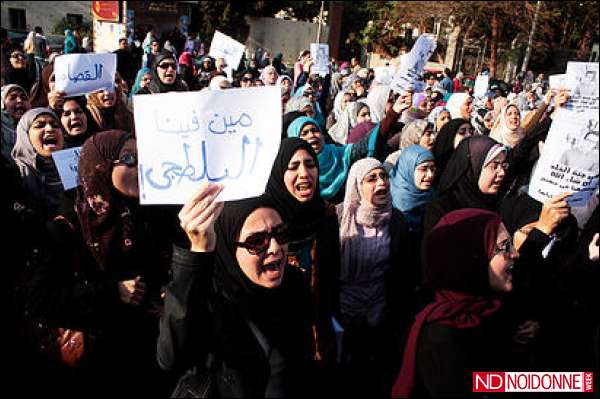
pixel 569 161
pixel 67 162
pixel 412 66
pixel 78 74
pixel 223 46
pixel 319 52
pixel 229 137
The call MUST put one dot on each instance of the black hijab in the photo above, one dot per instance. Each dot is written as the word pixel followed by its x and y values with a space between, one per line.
pixel 156 85
pixel 460 182
pixel 519 211
pixel 268 308
pixel 78 140
pixel 303 218
pixel 444 144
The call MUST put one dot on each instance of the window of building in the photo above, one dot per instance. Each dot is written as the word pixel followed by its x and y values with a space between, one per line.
pixel 17 18
pixel 74 20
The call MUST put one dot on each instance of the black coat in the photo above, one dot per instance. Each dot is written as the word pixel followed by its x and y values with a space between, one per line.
pixel 67 289
pixel 199 320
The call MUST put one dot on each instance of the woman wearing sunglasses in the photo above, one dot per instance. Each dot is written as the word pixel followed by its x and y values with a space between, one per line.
pixel 469 265
pixel 235 300
pixel 164 76
pixel 374 285
pixel 101 272
pixel 17 71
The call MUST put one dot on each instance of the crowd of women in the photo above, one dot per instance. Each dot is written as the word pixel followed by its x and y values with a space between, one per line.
pixel 394 252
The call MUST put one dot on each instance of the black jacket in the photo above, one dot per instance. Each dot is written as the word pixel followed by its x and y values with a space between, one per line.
pixel 199 320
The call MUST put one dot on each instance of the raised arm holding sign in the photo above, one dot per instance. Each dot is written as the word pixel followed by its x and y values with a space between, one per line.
pixel 228 137
pixel 78 74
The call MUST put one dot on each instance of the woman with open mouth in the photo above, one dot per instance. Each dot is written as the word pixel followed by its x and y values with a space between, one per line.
pixel 235 300
pixel 314 243
pixel 374 287
pixel 335 160
pixel 165 78
pixel 14 102
pixel 470 258
pixel 39 134
pixel 74 118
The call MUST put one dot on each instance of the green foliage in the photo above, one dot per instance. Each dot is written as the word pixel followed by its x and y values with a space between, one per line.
pixel 84 29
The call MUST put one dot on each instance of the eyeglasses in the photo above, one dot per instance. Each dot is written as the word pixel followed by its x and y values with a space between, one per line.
pixel 17 55
pixel 128 159
pixel 246 79
pixel 494 165
pixel 506 247
pixel 166 65
pixel 371 178
pixel 463 131
pixel 258 243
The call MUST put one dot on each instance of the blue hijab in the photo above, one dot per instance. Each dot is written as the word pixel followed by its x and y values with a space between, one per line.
pixel 406 197
pixel 138 80
pixel 334 160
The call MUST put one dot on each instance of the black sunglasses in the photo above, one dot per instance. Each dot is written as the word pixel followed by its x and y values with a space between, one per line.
pixel 166 65
pixel 127 159
pixel 258 243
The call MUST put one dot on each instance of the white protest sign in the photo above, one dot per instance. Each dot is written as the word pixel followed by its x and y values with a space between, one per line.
pixel 229 137
pixel 66 162
pixel 582 80
pixel 223 46
pixel 78 74
pixel 557 82
pixel 413 64
pixel 319 52
pixel 481 85
pixel 569 161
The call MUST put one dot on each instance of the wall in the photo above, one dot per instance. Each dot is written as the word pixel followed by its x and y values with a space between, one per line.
pixel 284 36
pixel 46 13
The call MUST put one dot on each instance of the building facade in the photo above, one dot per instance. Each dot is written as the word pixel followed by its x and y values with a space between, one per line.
pixel 25 15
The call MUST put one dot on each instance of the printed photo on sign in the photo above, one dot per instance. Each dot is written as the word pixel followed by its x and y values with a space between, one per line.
pixel 569 161
pixel 66 162
pixel 229 137
pixel 78 74
pixel 319 52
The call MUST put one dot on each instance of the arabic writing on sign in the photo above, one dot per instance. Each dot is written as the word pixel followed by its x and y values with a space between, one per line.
pixel 169 123
pixel 66 162
pixel 173 172
pixel 86 76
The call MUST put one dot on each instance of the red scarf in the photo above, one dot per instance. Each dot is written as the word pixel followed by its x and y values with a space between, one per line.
pixel 451 309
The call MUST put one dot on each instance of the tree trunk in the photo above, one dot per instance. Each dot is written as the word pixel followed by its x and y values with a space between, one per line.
pixel 494 46
pixel 583 49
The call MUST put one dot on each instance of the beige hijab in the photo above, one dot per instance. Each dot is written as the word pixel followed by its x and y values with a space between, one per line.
pixel 505 135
